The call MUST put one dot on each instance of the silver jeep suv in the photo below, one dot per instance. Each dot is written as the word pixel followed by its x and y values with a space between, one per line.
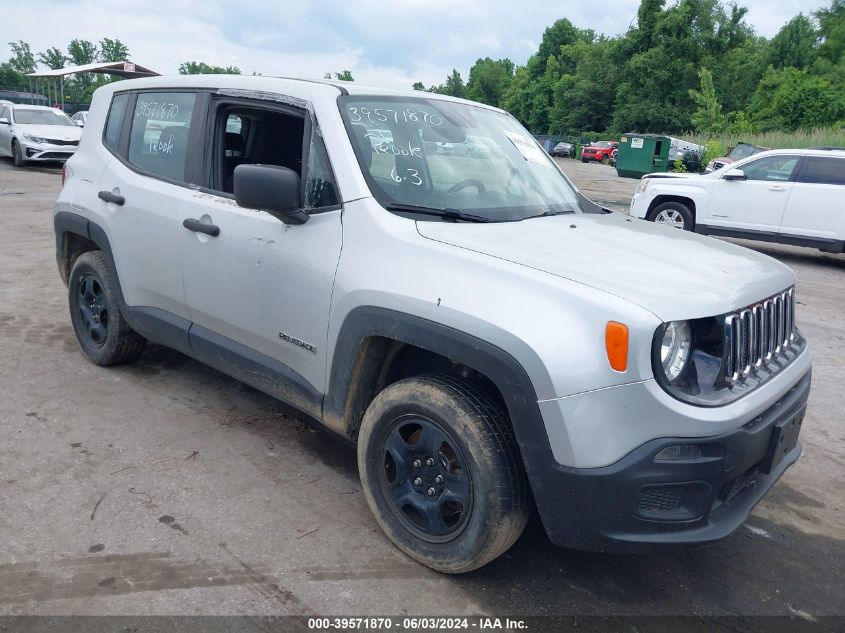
pixel 491 339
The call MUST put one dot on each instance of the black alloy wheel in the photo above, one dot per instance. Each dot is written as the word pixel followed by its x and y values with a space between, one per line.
pixel 425 479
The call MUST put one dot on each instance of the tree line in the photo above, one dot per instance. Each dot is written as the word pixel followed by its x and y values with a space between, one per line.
pixel 692 65
pixel 78 88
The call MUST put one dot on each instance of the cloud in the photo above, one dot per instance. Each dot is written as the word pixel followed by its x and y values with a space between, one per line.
pixel 388 43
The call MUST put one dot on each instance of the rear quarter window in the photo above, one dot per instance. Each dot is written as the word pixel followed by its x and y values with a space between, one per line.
pixel 114 122
pixel 823 170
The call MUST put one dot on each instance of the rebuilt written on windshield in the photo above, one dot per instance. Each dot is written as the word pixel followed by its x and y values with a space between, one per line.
pixel 439 155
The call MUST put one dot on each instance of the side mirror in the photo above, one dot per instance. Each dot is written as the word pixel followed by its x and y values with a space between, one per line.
pixel 270 188
pixel 4 121
pixel 80 123
pixel 735 174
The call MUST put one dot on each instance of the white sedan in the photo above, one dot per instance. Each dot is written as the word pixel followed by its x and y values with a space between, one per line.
pixel 37 133
pixel 791 196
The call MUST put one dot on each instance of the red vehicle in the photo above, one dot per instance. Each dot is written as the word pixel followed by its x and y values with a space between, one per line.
pixel 599 151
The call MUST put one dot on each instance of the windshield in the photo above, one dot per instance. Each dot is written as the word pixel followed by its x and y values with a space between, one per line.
pixel 25 116
pixel 440 155
pixel 743 150
pixel 603 144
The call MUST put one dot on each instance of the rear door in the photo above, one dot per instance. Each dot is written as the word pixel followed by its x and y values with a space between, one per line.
pixel 141 191
pixel 754 205
pixel 816 207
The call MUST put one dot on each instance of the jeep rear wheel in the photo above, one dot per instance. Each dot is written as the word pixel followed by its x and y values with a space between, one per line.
pixel 441 473
pixel 675 214
pixel 101 331
pixel 605 159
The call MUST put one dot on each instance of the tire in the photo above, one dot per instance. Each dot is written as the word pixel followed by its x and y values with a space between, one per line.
pixel 584 160
pixel 479 505
pixel 675 214
pixel 605 160
pixel 17 155
pixel 101 330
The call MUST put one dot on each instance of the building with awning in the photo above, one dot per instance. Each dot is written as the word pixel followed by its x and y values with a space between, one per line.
pixel 52 82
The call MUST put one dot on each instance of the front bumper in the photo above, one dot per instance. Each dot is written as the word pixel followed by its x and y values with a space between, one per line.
pixel 638 503
pixel 46 151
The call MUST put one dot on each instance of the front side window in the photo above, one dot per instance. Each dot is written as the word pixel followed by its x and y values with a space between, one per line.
pixel 771 168
pixel 111 137
pixel 823 171
pixel 158 137
pixel 320 187
pixel 248 134
pixel 442 156
pixel 31 116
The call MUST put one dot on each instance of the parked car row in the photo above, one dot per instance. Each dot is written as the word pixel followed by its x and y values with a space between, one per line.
pixel 790 196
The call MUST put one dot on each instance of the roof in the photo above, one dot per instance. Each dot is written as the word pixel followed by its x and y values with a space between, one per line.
pixel 802 151
pixel 290 86
pixel 127 70
pixel 32 106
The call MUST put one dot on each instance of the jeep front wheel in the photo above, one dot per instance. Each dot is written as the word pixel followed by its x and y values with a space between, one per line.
pixel 440 470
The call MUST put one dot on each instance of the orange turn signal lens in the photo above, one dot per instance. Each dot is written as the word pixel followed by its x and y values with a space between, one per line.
pixel 616 342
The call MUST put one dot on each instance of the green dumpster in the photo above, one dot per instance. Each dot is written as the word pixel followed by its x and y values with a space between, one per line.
pixel 641 154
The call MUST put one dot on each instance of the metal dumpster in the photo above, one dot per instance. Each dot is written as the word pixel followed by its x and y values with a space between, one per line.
pixel 641 154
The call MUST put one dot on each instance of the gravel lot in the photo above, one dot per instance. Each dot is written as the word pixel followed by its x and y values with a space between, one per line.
pixel 164 487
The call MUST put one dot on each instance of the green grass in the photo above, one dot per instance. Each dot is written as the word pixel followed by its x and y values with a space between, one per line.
pixel 777 140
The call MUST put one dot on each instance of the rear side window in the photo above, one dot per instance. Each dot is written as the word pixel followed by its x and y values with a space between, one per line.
pixel 158 138
pixel 823 171
pixel 111 138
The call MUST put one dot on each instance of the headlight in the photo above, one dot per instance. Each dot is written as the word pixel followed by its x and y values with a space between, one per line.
pixel 35 139
pixel 688 361
pixel 675 347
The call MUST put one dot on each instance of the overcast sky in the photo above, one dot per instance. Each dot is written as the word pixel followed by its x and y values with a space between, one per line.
pixel 385 42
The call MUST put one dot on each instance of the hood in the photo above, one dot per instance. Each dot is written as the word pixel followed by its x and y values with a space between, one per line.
pixel 672 174
pixel 673 274
pixel 59 132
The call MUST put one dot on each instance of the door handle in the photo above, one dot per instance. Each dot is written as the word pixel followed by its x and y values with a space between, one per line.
pixel 192 224
pixel 777 188
pixel 114 198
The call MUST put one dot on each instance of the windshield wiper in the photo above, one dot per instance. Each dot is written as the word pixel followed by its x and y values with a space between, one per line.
pixel 546 214
pixel 451 214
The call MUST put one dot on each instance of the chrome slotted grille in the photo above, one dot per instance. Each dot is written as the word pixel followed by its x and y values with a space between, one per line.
pixel 758 334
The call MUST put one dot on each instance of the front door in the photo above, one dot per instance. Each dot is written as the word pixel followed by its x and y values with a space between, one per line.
pixel 260 289
pixel 755 204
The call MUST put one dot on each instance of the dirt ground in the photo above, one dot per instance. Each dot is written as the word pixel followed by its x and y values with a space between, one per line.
pixel 164 487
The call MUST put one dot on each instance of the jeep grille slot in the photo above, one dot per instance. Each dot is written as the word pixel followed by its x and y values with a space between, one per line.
pixel 758 334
